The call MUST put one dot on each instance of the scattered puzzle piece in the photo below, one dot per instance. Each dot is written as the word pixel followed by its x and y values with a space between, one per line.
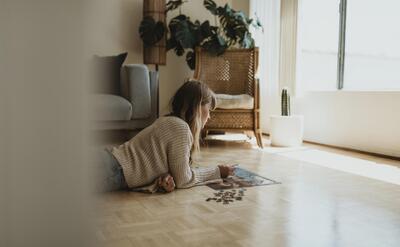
pixel 227 196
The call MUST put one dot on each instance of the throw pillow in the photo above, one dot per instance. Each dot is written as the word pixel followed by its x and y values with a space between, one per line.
pixel 107 74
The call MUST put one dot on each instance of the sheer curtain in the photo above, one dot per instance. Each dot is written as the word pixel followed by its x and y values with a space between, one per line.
pixel 268 12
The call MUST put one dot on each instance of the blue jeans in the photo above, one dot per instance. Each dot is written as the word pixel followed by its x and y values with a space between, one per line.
pixel 112 175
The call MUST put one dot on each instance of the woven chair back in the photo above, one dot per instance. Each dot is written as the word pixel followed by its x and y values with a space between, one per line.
pixel 231 73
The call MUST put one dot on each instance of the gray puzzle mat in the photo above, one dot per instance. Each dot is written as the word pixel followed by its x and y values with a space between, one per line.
pixel 242 178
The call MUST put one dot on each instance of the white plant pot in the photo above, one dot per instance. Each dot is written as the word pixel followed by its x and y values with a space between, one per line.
pixel 286 131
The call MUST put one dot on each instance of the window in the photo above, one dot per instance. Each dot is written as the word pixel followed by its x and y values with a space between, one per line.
pixel 348 44
pixel 317 44
pixel 372 55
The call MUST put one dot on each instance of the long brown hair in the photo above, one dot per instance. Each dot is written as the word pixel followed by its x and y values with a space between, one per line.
pixel 186 104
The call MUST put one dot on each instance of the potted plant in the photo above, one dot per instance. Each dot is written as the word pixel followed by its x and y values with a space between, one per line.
pixel 231 29
pixel 286 130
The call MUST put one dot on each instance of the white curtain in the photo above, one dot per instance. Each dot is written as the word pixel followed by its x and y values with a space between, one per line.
pixel 268 12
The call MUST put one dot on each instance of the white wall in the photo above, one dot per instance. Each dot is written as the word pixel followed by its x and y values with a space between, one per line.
pixel 367 121
pixel 112 27
pixel 242 5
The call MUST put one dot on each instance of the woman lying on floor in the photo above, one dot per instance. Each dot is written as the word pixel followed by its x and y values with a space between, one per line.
pixel 159 156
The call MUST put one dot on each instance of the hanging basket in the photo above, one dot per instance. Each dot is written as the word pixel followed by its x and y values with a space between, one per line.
pixel 155 54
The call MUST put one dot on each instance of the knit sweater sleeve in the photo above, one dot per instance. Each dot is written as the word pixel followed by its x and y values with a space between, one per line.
pixel 179 163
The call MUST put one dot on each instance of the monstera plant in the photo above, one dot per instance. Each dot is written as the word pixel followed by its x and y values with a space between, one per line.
pixel 231 29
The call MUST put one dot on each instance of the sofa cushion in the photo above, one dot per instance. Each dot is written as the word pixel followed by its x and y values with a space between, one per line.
pixel 108 107
pixel 107 74
pixel 241 101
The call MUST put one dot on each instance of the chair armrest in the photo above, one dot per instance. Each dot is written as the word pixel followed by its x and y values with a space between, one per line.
pixel 138 87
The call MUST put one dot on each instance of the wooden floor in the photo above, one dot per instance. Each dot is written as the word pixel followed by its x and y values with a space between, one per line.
pixel 314 206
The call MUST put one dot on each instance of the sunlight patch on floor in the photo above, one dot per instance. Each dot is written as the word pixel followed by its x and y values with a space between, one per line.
pixel 357 166
pixel 276 150
pixel 370 169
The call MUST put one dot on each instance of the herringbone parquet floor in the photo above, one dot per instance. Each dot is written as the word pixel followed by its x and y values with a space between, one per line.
pixel 314 206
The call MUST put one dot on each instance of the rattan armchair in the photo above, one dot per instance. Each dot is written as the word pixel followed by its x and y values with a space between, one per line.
pixel 232 73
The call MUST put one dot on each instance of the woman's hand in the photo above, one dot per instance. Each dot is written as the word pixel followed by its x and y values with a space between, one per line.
pixel 167 182
pixel 226 170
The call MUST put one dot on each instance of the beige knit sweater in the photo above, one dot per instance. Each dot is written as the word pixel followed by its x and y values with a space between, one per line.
pixel 160 148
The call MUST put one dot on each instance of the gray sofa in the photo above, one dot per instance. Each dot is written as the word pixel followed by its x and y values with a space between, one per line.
pixel 135 108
